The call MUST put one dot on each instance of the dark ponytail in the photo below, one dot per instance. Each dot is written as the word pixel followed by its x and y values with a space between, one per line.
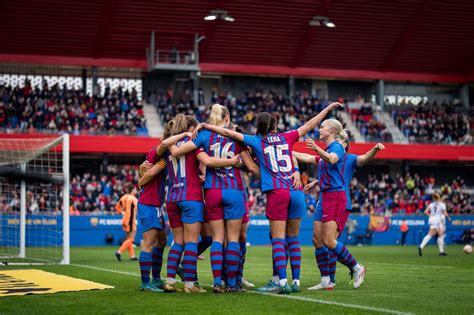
pixel 266 124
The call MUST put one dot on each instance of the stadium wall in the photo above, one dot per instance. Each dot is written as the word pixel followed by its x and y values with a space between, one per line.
pixel 94 230
pixel 141 145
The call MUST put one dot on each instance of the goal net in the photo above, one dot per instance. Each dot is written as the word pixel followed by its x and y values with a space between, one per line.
pixel 34 200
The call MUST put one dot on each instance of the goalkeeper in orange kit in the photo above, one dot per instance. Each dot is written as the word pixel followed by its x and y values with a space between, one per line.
pixel 127 206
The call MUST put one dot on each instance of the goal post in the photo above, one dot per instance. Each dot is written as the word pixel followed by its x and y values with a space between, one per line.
pixel 34 200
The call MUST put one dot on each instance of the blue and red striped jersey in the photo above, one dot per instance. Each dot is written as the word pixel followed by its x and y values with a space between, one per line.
pixel 183 176
pixel 153 193
pixel 349 168
pixel 274 158
pixel 331 176
pixel 221 147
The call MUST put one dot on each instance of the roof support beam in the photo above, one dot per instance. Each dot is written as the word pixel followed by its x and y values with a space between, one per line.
pixel 308 36
pixel 414 24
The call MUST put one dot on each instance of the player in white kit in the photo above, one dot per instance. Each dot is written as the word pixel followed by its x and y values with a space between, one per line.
pixel 437 213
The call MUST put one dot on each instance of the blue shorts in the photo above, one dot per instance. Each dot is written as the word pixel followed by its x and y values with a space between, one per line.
pixel 149 217
pixel 224 204
pixel 318 212
pixel 297 208
pixel 188 212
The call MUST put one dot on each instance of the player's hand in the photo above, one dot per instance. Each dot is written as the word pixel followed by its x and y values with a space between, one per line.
pixel 202 178
pixel 144 167
pixel 310 144
pixel 196 131
pixel 310 186
pixel 236 160
pixel 296 180
pixel 379 147
pixel 335 105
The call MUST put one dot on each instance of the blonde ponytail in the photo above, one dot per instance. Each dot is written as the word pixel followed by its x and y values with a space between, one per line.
pixel 168 129
pixel 344 135
pixel 218 113
pixel 180 125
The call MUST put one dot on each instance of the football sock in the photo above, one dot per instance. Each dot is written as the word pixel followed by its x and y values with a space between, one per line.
pixel 174 258
pixel 344 255
pixel 294 249
pixel 216 262
pixel 243 252
pixel 425 241
pixel 232 256
pixel 279 258
pixel 145 266
pixel 190 262
pixel 157 262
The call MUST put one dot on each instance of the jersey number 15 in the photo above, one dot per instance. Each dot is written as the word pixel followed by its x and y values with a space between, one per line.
pixel 276 156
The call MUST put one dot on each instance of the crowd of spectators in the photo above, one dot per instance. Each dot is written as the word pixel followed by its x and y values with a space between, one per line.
pixel 91 194
pixel 380 194
pixel 408 195
pixel 39 199
pixel 433 123
pixel 290 112
pixel 383 195
pixel 371 128
pixel 57 109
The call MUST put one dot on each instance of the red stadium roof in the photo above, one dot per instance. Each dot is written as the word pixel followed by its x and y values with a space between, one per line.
pixel 430 40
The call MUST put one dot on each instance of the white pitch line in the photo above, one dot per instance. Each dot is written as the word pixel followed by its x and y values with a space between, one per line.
pixel 319 301
pixel 291 297
pixel 107 270
pixel 414 265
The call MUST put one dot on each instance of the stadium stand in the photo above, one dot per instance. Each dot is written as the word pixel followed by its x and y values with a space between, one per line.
pixel 433 123
pixel 57 109
pixel 290 112
pixel 371 128
pixel 93 194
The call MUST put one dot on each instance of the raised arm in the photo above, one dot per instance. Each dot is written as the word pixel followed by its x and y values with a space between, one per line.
pixel 313 122
pixel 305 157
pixel 165 144
pixel 151 173
pixel 224 132
pixel 326 156
pixel 250 164
pixel 369 155
pixel 185 148
pixel 208 161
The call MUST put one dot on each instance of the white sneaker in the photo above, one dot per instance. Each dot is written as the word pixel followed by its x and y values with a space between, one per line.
pixel 247 284
pixel 359 274
pixel 322 286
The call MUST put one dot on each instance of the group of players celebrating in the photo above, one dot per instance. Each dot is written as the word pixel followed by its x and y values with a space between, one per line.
pixel 206 202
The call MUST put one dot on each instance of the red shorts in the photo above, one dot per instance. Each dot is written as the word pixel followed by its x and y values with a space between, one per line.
pixel 278 202
pixel 174 215
pixel 224 204
pixel 246 218
pixel 334 208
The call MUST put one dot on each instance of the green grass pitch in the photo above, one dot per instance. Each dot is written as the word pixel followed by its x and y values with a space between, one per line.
pixel 397 281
